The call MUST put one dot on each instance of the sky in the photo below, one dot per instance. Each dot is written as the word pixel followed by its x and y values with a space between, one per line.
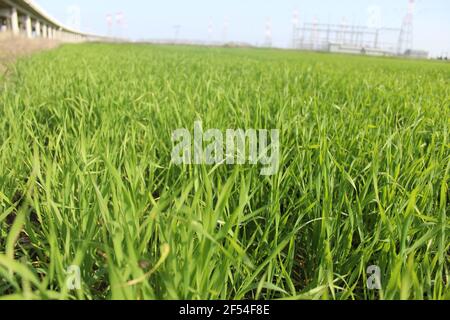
pixel 204 20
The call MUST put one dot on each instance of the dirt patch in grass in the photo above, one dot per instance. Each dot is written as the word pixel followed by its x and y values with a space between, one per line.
pixel 12 48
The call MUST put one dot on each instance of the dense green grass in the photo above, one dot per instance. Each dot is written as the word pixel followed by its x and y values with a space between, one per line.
pixel 86 178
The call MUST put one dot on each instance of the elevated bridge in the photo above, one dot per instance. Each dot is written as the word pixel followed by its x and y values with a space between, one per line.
pixel 24 18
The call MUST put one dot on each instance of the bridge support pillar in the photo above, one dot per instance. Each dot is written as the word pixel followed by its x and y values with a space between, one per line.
pixel 44 31
pixel 14 21
pixel 37 27
pixel 28 27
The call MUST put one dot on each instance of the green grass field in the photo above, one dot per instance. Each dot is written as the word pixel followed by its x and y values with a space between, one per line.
pixel 86 177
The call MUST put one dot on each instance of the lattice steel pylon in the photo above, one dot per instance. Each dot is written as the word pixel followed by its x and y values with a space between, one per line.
pixel 210 29
pixel 109 22
pixel 295 30
pixel 226 25
pixel 268 38
pixel 406 38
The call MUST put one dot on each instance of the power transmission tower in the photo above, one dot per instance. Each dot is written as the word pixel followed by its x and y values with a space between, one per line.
pixel 210 30
pixel 226 25
pixel 119 22
pixel 295 29
pixel 177 30
pixel 109 22
pixel 343 31
pixel 315 34
pixel 268 40
pixel 405 41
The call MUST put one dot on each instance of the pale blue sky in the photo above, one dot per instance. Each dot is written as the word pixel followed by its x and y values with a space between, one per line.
pixel 153 19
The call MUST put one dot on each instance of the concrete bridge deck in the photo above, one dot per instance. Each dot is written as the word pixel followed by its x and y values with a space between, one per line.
pixel 24 18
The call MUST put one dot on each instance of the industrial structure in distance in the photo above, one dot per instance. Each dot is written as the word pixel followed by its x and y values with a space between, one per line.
pixel 356 39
